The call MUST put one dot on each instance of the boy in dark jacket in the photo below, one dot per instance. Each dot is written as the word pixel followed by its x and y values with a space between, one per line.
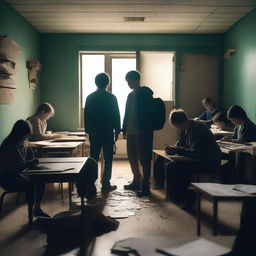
pixel 196 142
pixel 102 123
pixel 137 128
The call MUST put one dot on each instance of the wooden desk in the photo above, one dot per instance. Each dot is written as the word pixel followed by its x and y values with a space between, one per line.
pixel 44 148
pixel 221 133
pixel 216 192
pixel 62 160
pixel 74 138
pixel 70 139
pixel 228 147
pixel 77 134
pixel 46 176
pixel 172 158
pixel 169 158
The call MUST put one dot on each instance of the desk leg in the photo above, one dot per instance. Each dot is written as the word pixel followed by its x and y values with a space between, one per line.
pixel 198 213
pixel 101 165
pixel 30 214
pixel 69 195
pixel 215 217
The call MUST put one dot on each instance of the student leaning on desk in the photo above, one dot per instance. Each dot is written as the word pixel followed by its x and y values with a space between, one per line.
pixel 196 142
pixel 210 110
pixel 221 121
pixel 39 123
pixel 245 129
pixel 244 132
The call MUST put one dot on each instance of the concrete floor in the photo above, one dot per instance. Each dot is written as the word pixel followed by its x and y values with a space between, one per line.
pixel 159 218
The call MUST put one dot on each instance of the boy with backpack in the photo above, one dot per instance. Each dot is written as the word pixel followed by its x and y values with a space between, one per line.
pixel 138 130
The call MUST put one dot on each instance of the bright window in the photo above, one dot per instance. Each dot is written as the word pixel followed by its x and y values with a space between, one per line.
pixel 120 88
pixel 91 65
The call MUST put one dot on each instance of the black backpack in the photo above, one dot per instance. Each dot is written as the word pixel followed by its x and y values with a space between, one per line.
pixel 158 114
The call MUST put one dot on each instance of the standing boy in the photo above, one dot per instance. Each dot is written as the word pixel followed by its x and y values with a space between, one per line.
pixel 137 128
pixel 102 123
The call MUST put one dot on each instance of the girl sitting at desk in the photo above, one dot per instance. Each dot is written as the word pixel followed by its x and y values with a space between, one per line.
pixel 16 156
pixel 244 132
pixel 245 129
pixel 39 124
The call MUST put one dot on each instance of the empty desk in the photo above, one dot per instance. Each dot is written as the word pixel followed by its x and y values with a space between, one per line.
pixel 216 192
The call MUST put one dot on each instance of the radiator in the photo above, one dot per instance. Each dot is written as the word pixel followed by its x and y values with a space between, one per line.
pixel 121 151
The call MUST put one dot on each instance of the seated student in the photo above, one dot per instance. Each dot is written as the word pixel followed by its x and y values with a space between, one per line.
pixel 197 142
pixel 221 121
pixel 211 110
pixel 245 129
pixel 15 156
pixel 39 124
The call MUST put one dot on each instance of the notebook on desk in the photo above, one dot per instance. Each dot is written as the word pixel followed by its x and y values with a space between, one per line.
pixel 229 145
pixel 248 189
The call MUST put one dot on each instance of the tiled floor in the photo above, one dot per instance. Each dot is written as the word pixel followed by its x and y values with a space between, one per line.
pixel 156 217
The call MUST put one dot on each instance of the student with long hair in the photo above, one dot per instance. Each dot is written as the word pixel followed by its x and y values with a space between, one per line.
pixel 245 129
pixel 15 156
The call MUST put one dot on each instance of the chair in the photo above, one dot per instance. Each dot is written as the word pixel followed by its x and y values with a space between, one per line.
pixel 30 207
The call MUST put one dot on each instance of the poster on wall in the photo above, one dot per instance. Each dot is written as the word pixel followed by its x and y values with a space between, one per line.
pixel 9 53
pixel 33 67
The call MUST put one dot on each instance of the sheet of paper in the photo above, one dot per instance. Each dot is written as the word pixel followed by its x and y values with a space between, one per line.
pixel 199 247
pixel 249 189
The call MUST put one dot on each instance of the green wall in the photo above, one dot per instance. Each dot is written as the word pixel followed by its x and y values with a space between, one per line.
pixel 59 58
pixel 239 85
pixel 15 27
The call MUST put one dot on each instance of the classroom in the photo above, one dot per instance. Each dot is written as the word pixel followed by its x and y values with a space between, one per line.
pixel 185 51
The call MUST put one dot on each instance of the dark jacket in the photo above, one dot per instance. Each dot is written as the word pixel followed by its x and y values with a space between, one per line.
pixel 208 115
pixel 13 160
pixel 101 113
pixel 246 133
pixel 198 142
pixel 144 102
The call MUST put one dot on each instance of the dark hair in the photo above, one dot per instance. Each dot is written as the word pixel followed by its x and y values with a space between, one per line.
pixel 46 107
pixel 178 116
pixel 19 130
pixel 220 117
pixel 236 111
pixel 102 80
pixel 132 75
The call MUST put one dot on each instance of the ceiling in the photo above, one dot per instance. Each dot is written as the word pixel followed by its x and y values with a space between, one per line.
pixel 119 16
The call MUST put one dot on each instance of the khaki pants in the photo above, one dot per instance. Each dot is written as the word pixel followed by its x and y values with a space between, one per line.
pixel 139 150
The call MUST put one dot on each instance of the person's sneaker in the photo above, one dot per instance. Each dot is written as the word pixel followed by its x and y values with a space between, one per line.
pixel 108 189
pixel 40 213
pixel 143 193
pixel 135 186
